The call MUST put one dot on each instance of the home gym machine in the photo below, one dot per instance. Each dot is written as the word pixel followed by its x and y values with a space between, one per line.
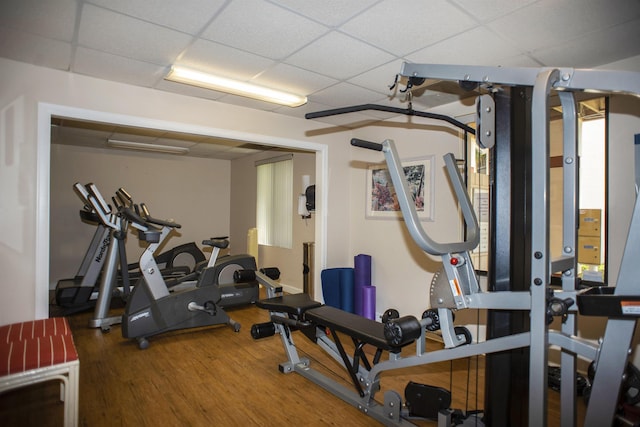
pixel 456 287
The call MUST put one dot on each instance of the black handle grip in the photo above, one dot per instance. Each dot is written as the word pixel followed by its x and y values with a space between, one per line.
pixel 366 144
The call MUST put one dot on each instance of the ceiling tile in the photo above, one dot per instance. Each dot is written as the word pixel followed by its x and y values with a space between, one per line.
pixel 627 64
pixel 189 16
pixel 268 30
pixel 380 78
pixel 53 19
pixel 345 94
pixel 402 27
pixel 550 22
pixel 339 56
pixel 215 58
pixel 593 48
pixel 329 12
pixel 118 34
pixel 491 9
pixel 33 49
pixel 111 67
pixel 293 79
pixel 463 49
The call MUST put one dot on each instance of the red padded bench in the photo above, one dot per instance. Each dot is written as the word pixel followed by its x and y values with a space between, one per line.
pixel 37 351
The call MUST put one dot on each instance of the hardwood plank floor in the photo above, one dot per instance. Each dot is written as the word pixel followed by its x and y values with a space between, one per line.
pixel 215 376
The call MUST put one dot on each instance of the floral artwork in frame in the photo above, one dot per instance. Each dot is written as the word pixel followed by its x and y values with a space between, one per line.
pixel 381 197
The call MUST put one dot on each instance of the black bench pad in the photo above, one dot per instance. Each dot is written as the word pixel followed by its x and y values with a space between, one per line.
pixel 358 327
pixel 295 304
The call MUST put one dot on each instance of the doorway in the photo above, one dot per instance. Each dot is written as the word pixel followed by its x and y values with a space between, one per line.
pixel 48 114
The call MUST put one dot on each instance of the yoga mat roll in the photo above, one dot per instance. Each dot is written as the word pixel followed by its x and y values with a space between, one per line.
pixel 330 279
pixel 362 277
pixel 337 288
pixel 362 266
pixel 346 289
pixel 369 302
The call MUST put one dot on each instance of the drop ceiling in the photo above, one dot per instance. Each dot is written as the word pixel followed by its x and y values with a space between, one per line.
pixel 337 52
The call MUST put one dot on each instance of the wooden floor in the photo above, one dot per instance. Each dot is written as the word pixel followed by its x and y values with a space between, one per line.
pixel 215 376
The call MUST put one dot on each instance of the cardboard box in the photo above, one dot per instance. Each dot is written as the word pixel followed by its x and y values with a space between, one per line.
pixel 590 223
pixel 589 250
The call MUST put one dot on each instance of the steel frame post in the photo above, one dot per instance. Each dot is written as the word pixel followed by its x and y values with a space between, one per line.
pixel 506 395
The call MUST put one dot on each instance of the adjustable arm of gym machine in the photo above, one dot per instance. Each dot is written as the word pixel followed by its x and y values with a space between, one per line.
pixel 408 207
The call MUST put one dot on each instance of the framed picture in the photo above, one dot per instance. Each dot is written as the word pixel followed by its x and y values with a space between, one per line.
pixel 381 198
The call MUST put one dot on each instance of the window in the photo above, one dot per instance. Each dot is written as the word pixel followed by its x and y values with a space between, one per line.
pixel 275 201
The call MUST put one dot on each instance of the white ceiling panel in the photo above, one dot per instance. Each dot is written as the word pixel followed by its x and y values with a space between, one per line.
pixel 339 56
pixel 37 50
pixel 380 79
pixel 345 94
pixel 51 19
pixel 404 27
pixel 268 30
pixel 112 67
pixel 118 34
pixel 189 16
pixel 491 9
pixel 549 22
pixel 464 49
pixel 293 79
pixel 585 50
pixel 329 12
pixel 216 58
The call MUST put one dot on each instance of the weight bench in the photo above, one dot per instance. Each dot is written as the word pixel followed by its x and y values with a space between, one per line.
pixel 304 313
pixel 38 351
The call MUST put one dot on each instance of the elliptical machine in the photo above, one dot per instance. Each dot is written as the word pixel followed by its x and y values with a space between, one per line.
pixel 152 308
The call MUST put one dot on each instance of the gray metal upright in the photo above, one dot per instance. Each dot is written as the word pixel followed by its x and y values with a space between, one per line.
pixel 540 260
pixel 568 360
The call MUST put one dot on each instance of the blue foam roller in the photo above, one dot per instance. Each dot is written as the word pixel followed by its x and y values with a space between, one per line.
pixel 347 293
pixel 331 287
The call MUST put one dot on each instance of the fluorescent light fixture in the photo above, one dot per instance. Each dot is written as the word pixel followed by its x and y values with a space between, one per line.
pixel 142 146
pixel 222 84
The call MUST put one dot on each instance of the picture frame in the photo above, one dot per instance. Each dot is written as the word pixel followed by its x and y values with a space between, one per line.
pixel 381 202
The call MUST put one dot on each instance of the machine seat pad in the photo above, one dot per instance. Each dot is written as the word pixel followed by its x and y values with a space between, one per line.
pixel 358 327
pixel 294 304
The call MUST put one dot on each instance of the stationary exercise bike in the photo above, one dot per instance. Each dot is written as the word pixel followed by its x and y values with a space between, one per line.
pixel 152 308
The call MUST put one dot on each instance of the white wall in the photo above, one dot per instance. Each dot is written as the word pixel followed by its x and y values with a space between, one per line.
pixel 194 192
pixel 26 91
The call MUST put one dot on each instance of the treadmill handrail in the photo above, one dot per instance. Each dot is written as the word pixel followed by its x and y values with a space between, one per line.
pixel 408 207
